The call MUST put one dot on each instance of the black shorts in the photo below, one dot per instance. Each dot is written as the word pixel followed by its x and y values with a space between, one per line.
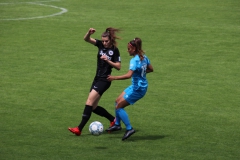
pixel 100 86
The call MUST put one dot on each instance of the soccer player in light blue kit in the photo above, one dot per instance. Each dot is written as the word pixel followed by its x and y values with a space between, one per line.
pixel 139 66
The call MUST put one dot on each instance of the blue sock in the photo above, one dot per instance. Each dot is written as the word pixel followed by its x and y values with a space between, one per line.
pixel 118 120
pixel 124 117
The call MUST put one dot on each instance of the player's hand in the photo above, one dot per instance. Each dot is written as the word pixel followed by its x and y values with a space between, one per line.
pixel 110 78
pixel 104 57
pixel 91 31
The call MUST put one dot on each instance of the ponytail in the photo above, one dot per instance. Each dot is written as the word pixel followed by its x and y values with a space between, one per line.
pixel 137 43
pixel 111 34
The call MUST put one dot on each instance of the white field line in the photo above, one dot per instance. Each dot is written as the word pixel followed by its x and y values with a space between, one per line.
pixel 63 10
pixel 30 2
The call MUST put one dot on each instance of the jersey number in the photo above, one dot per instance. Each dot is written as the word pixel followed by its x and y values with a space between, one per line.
pixel 144 68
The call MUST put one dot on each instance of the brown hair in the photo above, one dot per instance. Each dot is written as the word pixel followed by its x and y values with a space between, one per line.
pixel 137 43
pixel 111 34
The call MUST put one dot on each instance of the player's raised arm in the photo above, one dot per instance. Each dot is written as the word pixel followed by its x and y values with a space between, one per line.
pixel 88 38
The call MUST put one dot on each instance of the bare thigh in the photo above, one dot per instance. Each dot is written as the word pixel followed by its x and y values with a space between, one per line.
pixel 93 99
pixel 121 102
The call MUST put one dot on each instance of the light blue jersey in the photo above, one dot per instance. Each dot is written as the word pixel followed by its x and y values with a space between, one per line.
pixel 136 90
pixel 139 81
pixel 139 67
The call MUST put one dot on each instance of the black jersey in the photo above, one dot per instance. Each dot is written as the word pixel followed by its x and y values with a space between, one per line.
pixel 103 68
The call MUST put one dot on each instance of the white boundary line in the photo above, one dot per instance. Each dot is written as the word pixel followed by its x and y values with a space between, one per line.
pixel 63 10
pixel 30 2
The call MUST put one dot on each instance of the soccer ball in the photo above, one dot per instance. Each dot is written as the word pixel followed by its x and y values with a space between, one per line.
pixel 96 128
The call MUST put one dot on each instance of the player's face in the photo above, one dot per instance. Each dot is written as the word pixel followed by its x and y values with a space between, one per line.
pixel 106 42
pixel 131 50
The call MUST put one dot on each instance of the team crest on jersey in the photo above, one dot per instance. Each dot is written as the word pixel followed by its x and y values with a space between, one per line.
pixel 110 52
pixel 102 53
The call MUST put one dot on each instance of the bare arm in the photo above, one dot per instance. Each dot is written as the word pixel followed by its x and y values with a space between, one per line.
pixel 122 77
pixel 116 65
pixel 149 68
pixel 87 37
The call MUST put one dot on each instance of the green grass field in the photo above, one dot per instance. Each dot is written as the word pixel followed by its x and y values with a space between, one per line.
pixel 191 110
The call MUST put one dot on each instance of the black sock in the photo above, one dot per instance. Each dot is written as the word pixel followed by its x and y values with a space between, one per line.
pixel 85 117
pixel 103 112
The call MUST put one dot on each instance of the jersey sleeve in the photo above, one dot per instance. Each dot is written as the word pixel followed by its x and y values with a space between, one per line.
pixel 133 65
pixel 116 56
pixel 98 43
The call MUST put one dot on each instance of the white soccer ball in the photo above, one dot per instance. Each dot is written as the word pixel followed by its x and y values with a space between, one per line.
pixel 96 128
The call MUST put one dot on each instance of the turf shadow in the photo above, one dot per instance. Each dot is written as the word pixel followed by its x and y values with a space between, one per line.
pixel 146 137
pixel 136 137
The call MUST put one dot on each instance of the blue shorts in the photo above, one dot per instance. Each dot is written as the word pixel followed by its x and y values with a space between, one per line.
pixel 132 96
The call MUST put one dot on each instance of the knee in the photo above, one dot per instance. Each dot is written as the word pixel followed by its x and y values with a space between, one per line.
pixel 116 103
pixel 89 102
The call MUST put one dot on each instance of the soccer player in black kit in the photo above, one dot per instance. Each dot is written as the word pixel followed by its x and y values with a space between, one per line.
pixel 108 57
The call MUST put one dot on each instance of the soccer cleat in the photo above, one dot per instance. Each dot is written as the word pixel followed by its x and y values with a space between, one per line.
pixel 114 128
pixel 113 122
pixel 128 133
pixel 75 131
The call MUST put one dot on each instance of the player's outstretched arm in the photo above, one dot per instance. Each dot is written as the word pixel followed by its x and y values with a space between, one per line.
pixel 88 38
pixel 122 77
